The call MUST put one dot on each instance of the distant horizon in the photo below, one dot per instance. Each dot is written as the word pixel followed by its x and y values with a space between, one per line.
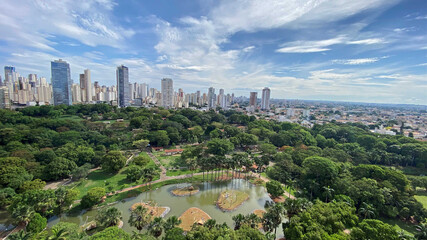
pixel 369 51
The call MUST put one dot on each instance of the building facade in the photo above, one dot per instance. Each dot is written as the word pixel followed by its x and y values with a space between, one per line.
pixel 122 74
pixel 253 99
pixel 167 93
pixel 265 100
pixel 61 82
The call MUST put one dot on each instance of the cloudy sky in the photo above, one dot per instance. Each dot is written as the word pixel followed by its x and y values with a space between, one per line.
pixel 347 50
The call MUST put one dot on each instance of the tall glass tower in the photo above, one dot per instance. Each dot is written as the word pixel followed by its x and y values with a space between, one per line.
pixel 122 74
pixel 61 82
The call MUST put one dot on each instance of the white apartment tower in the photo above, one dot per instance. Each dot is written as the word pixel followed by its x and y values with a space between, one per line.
pixel 265 101
pixel 167 93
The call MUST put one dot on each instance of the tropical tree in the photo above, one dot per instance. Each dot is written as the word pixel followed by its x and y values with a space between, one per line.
pixel 22 214
pixel 421 232
pixel 108 217
pixel 171 223
pixel 328 192
pixel 272 218
pixel 113 161
pixel 37 223
pixel 139 217
pixel 295 206
pixel 274 188
pixel 21 235
pixel 58 234
pixel 366 210
pixel 238 221
pixel 155 227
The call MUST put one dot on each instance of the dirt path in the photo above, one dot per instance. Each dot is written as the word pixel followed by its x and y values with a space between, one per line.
pixel 159 164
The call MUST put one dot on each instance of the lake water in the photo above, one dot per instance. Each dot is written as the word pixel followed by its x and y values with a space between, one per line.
pixel 205 200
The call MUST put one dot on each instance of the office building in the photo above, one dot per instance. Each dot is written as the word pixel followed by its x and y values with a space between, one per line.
pixel 122 74
pixel 265 100
pixel 61 82
pixel 167 93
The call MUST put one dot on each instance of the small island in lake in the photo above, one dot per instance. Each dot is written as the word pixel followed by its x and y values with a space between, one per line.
pixel 229 200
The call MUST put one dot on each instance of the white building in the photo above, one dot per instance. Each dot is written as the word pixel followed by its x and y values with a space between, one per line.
pixel 167 93
pixel 265 100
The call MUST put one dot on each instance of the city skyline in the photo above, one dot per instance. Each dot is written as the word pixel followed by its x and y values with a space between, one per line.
pixel 359 51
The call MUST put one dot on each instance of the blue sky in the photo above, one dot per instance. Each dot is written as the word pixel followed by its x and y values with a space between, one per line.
pixel 346 50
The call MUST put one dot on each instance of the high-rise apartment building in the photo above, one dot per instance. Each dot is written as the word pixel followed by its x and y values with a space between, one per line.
pixel 9 74
pixel 211 98
pixel 265 100
pixel 253 99
pixel 61 82
pixel 122 74
pixel 167 93
pixel 4 98
pixel 86 87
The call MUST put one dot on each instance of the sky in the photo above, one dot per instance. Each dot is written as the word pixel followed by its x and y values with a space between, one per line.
pixel 338 50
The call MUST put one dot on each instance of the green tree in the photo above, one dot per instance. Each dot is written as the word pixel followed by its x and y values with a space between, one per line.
pixel 36 224
pixel 171 223
pixel 219 147
pixel 32 185
pixel 139 217
pixel 374 229
pixel 21 235
pixel 113 161
pixel 111 233
pixel 93 197
pixel 134 173
pixel 274 188
pixel 108 217
pixel 421 232
pixel 140 144
pixel 155 227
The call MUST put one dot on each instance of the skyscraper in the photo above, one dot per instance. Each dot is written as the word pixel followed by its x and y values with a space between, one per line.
pixel 9 74
pixel 86 86
pixel 265 101
pixel 61 82
pixel 253 99
pixel 211 98
pixel 167 93
pixel 122 74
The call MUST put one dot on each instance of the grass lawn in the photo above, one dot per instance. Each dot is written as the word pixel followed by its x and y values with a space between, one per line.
pixel 71 117
pixel 421 197
pixel 111 182
pixel 100 178
pixel 167 161
pixel 400 225
pixel 231 199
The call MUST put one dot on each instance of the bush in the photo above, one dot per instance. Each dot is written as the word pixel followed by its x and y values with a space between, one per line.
pixel 274 188
pixel 37 223
pixel 93 197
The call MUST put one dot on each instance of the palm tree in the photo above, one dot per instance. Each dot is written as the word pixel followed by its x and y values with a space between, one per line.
pixel 21 235
pixel 171 223
pixel 252 220
pixel 58 234
pixel 295 206
pixel 108 217
pixel 367 210
pixel 272 218
pixel 22 214
pixel 155 227
pixel 238 221
pixel 139 217
pixel 421 232
pixel 328 192
pixel 210 223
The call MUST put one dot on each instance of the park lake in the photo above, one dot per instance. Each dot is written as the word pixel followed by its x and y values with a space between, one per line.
pixel 205 200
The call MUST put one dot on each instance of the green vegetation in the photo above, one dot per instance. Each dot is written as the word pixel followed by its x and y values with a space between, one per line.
pixel 347 177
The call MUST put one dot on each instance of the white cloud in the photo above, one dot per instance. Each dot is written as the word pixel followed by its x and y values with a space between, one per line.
pixel 367 41
pixel 37 23
pixel 357 61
